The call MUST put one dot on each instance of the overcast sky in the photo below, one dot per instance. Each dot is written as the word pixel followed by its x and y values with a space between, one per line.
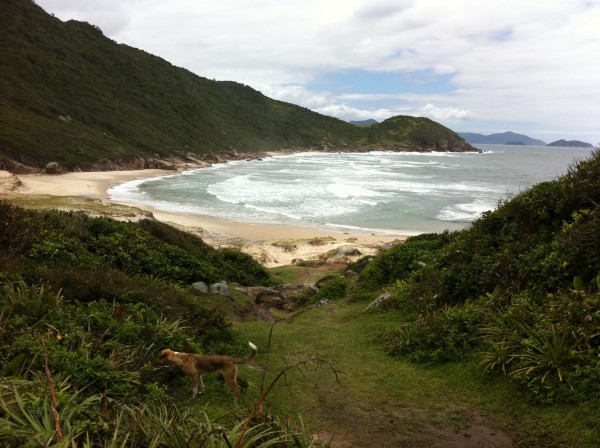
pixel 528 66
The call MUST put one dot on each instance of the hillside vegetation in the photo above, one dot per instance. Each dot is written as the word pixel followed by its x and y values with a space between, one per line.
pixel 70 95
pixel 502 317
pixel 87 303
pixel 519 291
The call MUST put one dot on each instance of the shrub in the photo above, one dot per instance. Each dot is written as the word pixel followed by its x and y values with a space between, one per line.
pixel 549 347
pixel 439 336
pixel 105 347
pixel 398 262
pixel 74 240
pixel 91 420
pixel 332 290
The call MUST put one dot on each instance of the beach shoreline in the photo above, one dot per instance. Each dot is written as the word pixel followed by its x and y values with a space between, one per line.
pixel 272 245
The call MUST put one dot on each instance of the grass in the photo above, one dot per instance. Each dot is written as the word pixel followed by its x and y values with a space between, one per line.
pixel 395 402
pixel 302 275
pixel 236 308
pixel 93 207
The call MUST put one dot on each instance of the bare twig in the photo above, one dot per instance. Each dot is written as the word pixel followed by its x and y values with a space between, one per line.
pixel 266 363
pixel 59 434
pixel 319 362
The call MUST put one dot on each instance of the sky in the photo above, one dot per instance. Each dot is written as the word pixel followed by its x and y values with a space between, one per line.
pixel 486 66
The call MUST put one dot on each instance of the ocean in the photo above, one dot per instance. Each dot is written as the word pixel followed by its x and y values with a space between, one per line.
pixel 390 193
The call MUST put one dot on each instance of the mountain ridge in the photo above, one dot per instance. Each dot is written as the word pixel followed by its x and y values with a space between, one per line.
pixel 71 95
pixel 500 138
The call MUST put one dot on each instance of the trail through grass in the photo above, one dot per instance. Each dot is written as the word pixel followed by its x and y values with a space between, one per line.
pixel 379 401
pixel 376 400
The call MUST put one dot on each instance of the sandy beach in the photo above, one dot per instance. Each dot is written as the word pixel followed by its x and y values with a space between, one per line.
pixel 272 245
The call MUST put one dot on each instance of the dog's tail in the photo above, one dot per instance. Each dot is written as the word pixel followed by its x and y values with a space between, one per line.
pixel 251 356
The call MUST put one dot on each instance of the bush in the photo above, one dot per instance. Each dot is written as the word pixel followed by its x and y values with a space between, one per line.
pixel 399 262
pixel 76 241
pixel 521 284
pixel 92 420
pixel 332 290
pixel 440 336
pixel 99 345
pixel 549 346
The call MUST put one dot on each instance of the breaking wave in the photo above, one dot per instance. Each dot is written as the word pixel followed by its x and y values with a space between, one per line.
pixel 376 192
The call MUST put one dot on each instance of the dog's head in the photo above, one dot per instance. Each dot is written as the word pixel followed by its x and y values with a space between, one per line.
pixel 164 356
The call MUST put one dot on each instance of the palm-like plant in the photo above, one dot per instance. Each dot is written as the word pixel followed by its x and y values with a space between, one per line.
pixel 28 417
pixel 546 355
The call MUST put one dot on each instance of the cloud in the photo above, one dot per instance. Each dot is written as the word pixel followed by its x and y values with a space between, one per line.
pixel 109 15
pixel 530 62
pixel 340 108
pixel 447 113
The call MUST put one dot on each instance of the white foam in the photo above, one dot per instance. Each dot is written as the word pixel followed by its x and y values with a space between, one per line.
pixel 367 190
pixel 348 190
pixel 465 212
pixel 370 230
pixel 273 211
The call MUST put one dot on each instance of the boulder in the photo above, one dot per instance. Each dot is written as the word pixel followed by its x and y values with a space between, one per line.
pixel 201 286
pixel 283 297
pixel 271 299
pixel 379 301
pixel 53 168
pixel 322 303
pixel 220 288
pixel 159 164
pixel 342 253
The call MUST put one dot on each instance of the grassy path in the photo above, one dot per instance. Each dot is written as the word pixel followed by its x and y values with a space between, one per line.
pixel 379 401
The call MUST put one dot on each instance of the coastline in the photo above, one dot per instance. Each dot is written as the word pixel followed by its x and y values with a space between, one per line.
pixel 272 245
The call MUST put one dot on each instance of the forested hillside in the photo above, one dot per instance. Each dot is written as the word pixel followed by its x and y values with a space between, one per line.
pixel 70 95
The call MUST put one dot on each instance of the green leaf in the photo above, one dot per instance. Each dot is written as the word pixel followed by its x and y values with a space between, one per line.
pixel 578 283
pixel 17 364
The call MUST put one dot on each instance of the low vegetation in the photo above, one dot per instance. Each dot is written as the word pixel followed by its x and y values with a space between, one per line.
pixel 497 322
pixel 501 320
pixel 519 291
pixel 86 305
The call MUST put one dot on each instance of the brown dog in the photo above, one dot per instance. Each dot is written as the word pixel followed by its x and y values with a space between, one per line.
pixel 195 365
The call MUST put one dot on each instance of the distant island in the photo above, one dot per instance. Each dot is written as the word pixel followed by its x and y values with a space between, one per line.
pixel 512 138
pixel 368 122
pixel 502 138
pixel 571 144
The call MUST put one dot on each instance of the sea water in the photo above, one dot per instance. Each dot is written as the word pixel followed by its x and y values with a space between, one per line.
pixel 395 193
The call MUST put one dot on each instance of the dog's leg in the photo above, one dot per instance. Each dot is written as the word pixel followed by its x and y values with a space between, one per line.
pixel 196 378
pixel 230 376
pixel 197 381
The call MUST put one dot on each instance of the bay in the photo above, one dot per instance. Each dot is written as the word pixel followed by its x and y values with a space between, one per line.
pixel 394 193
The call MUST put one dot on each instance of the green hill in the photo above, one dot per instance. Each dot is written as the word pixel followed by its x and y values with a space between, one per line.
pixel 69 94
